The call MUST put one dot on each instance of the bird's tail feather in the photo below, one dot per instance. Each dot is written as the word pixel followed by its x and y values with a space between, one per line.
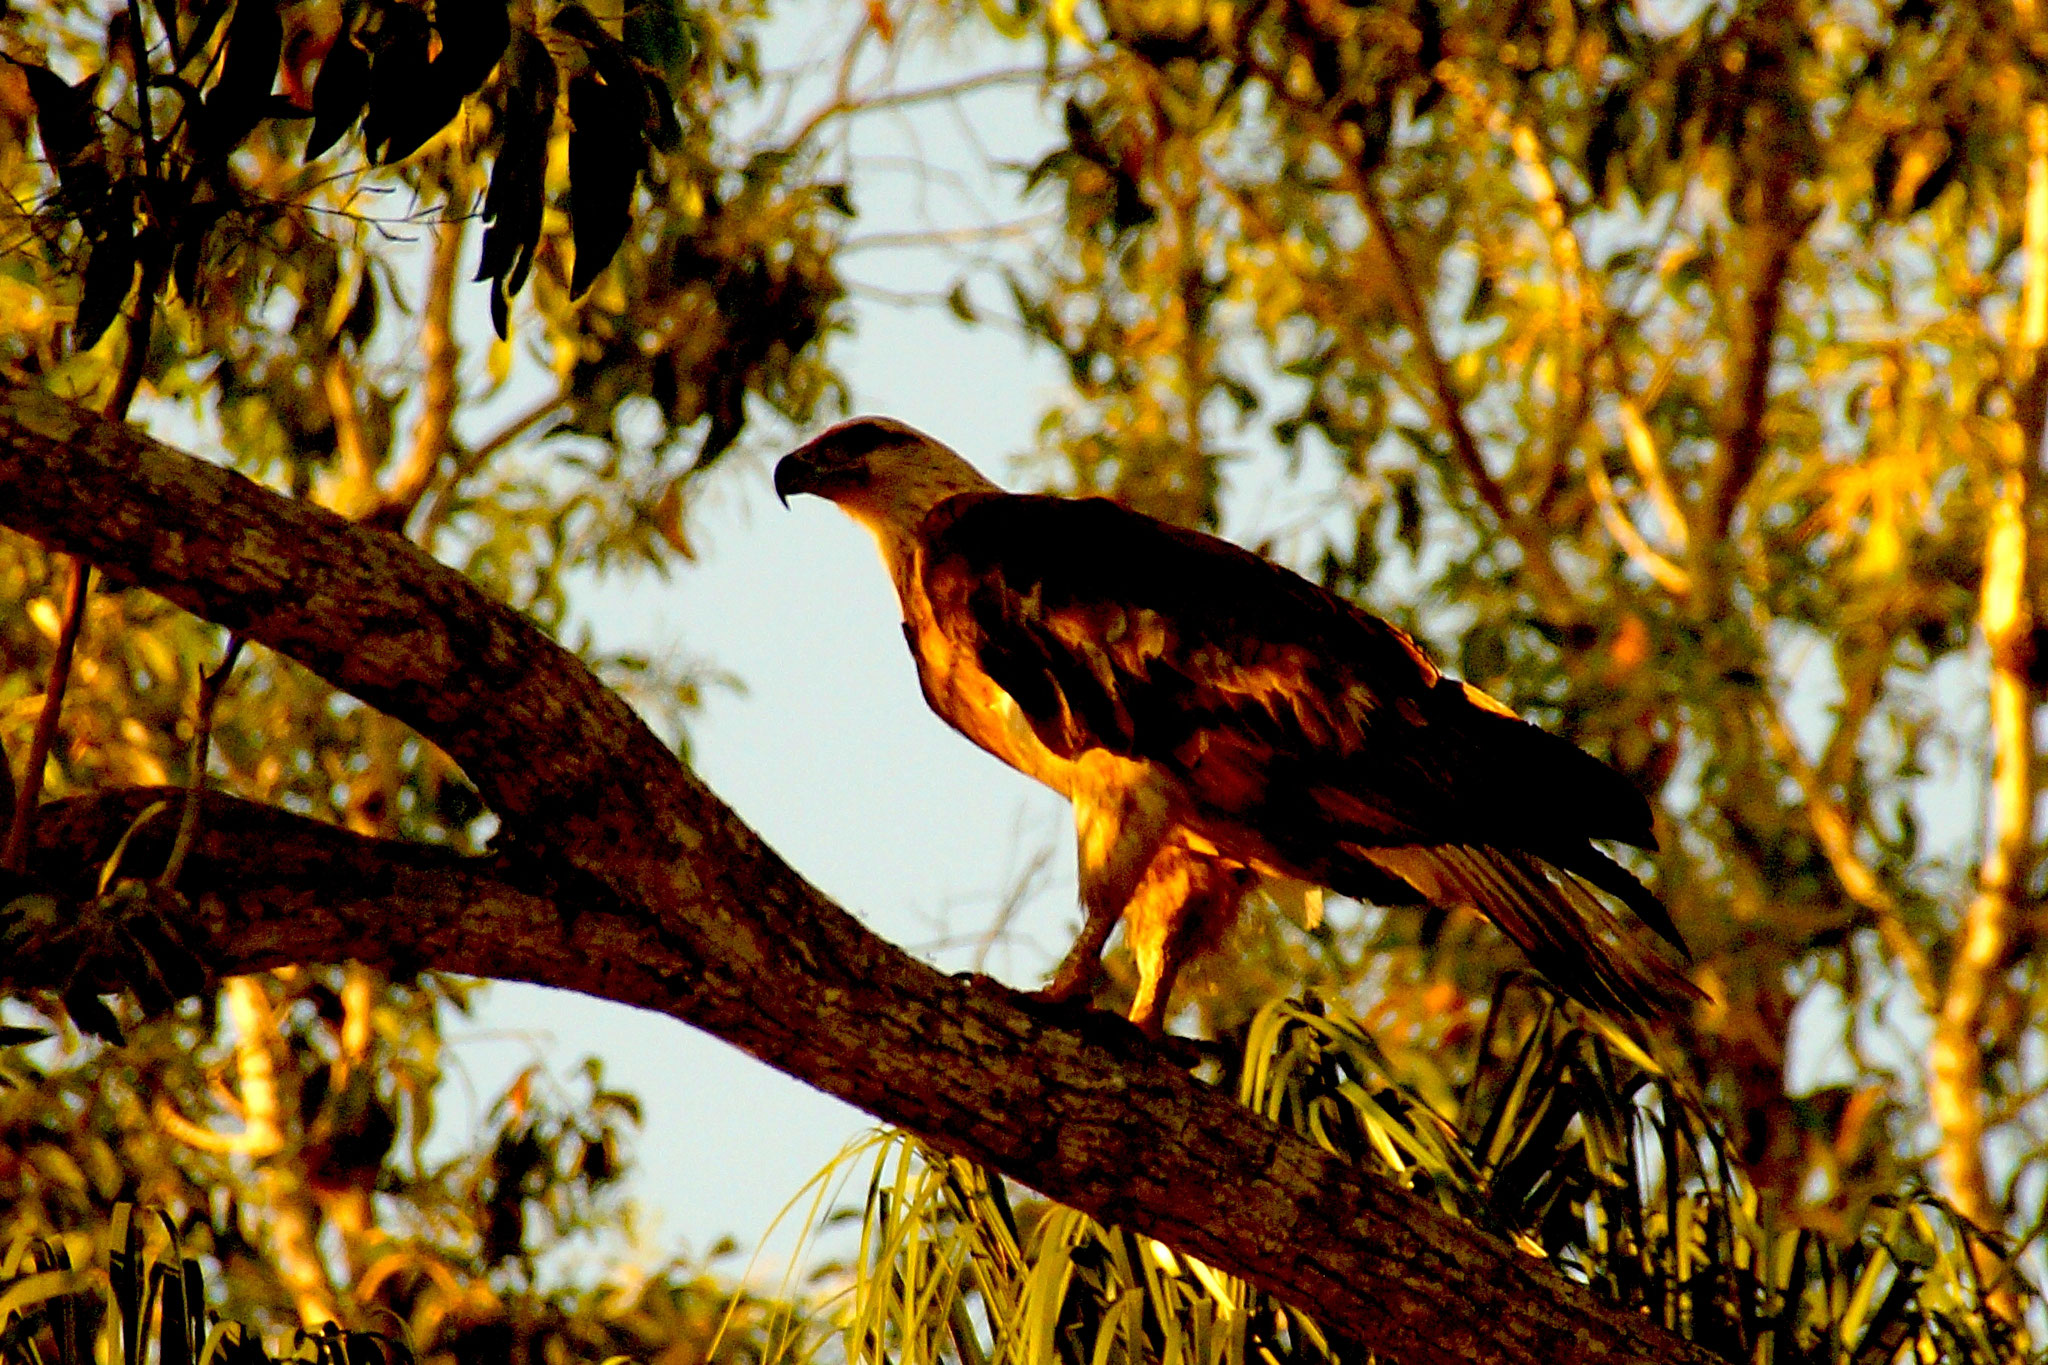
pixel 1617 881
pixel 1568 933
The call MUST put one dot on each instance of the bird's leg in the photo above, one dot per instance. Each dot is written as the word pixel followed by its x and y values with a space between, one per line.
pixel 1157 922
pixel 1119 824
pixel 1185 906
pixel 1155 989
pixel 1075 975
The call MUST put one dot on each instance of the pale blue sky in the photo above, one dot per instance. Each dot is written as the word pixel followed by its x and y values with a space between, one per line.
pixel 828 750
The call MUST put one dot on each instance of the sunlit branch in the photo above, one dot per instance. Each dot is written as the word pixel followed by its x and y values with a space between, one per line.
pixel 1579 300
pixel 440 359
pixel 198 1136
pixel 1835 833
pixel 292 1228
pixel 1667 575
pixel 358 470
pixel 1649 465
pixel 1956 1081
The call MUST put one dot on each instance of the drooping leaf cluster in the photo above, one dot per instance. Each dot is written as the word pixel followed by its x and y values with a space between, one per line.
pixel 141 1307
pixel 142 142
pixel 1568 1140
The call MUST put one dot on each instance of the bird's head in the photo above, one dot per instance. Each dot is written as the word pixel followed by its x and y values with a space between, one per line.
pixel 882 473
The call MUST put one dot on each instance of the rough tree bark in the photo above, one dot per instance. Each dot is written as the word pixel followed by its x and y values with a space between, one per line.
pixel 624 877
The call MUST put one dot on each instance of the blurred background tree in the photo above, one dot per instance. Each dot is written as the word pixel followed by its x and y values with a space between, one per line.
pixel 1673 368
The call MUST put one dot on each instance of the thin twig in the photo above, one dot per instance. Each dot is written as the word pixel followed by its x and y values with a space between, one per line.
pixel 846 103
pixel 467 464
pixel 210 685
pixel 139 324
pixel 138 54
pixel 21 828
pixel 1833 830
pixel 1555 595
pixel 1669 576
pixel 30 789
pixel 930 237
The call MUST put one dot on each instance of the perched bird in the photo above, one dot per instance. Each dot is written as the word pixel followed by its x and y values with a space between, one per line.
pixel 1226 728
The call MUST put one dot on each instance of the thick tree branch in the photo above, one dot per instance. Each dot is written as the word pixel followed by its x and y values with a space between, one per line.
pixel 658 896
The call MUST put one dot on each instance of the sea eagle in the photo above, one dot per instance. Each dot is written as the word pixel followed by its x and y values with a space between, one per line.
pixel 1226 728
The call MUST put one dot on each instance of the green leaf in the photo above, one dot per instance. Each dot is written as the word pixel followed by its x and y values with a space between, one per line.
pixel 109 275
pixel 658 33
pixel 398 83
pixel 605 156
pixel 339 93
pixel 240 99
pixel 514 203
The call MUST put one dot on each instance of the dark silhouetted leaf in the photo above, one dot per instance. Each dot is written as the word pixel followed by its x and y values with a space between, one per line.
pixel 658 38
pixel 109 274
pixel 92 1016
pixel 175 1345
pixel 240 99
pixel 66 122
pixel 398 74
pixel 339 93
pixel 473 35
pixel 190 252
pixel 608 56
pixel 513 204
pixel 605 156
pixel 1938 179
pixel 1604 140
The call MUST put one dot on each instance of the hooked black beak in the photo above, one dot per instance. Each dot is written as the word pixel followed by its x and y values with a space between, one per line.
pixel 794 473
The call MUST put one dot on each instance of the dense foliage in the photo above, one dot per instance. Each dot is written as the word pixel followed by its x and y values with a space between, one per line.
pixel 1569 1140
